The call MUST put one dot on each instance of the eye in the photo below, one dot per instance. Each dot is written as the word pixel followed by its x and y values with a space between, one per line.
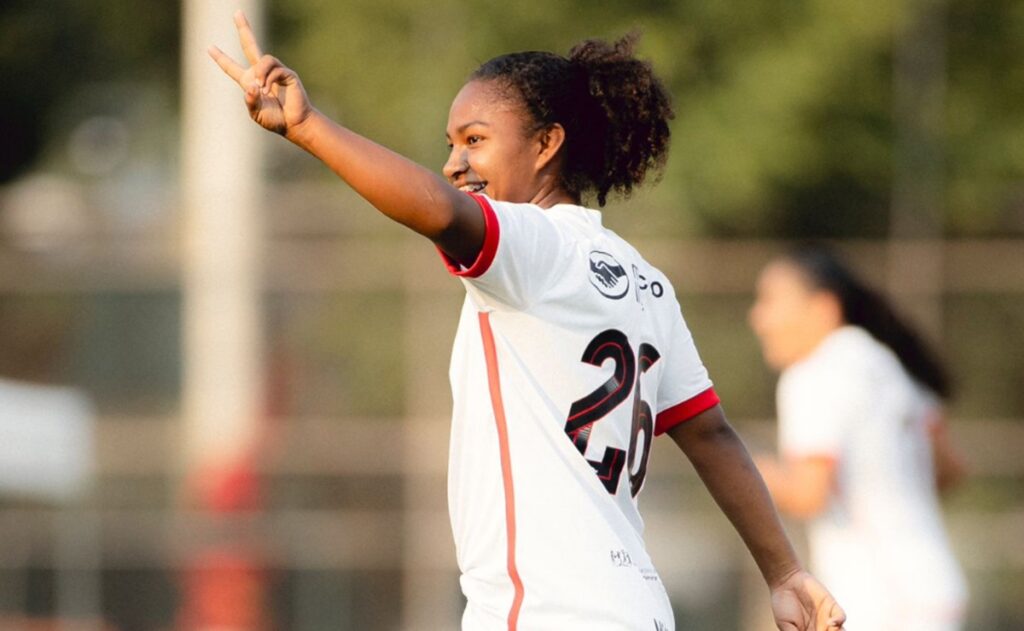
pixel 472 140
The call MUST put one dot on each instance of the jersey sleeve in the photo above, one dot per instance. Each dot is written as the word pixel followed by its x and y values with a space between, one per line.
pixel 523 251
pixel 685 389
pixel 929 407
pixel 816 408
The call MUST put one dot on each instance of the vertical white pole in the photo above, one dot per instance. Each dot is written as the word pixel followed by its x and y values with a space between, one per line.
pixel 221 180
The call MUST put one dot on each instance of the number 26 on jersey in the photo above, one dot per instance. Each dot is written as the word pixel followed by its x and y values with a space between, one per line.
pixel 613 345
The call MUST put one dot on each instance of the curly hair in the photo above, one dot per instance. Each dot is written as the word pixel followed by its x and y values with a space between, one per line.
pixel 614 110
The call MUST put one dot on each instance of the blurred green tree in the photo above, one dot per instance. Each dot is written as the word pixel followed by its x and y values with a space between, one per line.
pixel 50 48
pixel 785 120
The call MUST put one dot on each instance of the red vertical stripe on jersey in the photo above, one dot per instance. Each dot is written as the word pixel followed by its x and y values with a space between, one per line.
pixel 497 403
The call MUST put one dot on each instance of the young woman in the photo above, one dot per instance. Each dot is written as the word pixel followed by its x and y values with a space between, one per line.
pixel 862 447
pixel 571 352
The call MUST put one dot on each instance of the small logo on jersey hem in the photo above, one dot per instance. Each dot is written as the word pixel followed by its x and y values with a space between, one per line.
pixel 607 276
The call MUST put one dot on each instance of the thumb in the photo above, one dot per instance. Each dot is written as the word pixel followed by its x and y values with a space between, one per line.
pixel 252 98
pixel 837 617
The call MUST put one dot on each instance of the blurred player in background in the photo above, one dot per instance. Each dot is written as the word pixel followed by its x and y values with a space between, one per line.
pixel 863 449
pixel 571 353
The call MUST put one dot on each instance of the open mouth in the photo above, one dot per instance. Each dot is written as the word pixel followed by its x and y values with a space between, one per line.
pixel 473 187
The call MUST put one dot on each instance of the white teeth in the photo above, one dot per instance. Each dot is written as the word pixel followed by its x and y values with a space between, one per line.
pixel 476 187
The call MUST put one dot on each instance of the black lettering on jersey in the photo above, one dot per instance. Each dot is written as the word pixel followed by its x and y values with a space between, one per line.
pixel 621 558
pixel 607 275
pixel 643 422
pixel 613 345
pixel 640 282
pixel 608 345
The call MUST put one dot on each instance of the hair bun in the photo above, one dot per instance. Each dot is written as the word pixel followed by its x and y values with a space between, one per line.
pixel 613 108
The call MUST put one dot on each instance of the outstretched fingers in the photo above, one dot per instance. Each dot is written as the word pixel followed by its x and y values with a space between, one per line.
pixel 227 64
pixel 247 38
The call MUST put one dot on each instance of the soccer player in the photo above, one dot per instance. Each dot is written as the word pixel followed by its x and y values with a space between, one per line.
pixel 571 352
pixel 862 446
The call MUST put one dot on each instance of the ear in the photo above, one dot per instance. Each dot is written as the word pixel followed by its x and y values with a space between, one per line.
pixel 550 141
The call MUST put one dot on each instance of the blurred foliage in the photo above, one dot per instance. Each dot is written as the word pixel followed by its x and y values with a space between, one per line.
pixel 785 120
pixel 785 116
pixel 354 369
pixel 51 49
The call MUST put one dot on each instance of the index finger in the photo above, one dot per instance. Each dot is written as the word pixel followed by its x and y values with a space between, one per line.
pixel 227 64
pixel 248 39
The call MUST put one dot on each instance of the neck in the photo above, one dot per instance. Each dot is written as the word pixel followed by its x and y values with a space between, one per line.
pixel 814 339
pixel 547 199
pixel 551 192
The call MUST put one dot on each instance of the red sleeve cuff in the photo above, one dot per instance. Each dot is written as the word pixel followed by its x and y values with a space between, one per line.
pixel 682 412
pixel 484 259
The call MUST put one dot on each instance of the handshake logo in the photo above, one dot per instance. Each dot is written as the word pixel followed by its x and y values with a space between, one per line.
pixel 607 276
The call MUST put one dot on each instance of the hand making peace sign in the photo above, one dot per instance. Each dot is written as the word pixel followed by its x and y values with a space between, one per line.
pixel 273 93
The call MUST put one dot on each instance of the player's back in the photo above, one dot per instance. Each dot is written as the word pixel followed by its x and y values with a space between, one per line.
pixel 570 352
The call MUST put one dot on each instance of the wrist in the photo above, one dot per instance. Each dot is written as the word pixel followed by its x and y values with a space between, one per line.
pixel 783 574
pixel 302 133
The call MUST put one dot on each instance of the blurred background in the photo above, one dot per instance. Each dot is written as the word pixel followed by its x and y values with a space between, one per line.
pixel 223 378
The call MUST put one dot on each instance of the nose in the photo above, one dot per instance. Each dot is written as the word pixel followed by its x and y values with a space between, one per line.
pixel 456 164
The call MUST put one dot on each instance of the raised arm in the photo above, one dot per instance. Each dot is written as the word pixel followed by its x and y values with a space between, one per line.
pixel 398 187
pixel 799 602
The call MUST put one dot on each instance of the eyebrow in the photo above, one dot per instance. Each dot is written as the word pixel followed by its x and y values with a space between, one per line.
pixel 465 126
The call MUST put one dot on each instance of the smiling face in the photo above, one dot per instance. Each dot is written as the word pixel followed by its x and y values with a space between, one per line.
pixel 493 151
pixel 789 316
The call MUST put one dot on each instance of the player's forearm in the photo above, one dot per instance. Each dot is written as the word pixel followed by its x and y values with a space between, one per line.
pixel 779 487
pixel 799 487
pixel 398 187
pixel 725 466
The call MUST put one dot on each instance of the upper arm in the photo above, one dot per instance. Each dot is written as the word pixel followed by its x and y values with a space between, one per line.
pixel 699 431
pixel 817 406
pixel 950 468
pixel 462 239
pixel 817 409
pixel 685 390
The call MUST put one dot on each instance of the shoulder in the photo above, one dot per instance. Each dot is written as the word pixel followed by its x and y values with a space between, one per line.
pixel 531 222
pixel 840 362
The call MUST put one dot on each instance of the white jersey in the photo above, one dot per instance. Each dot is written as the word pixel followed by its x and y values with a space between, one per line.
pixel 571 355
pixel 880 545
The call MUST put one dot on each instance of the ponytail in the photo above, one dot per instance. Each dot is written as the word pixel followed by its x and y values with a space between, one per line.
pixel 866 308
